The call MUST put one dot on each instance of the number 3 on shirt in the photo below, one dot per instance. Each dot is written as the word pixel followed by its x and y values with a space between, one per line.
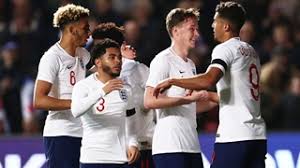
pixel 254 81
pixel 72 78
pixel 100 106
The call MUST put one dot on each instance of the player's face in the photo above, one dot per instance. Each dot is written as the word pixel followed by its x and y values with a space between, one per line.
pixel 82 31
pixel 111 62
pixel 188 32
pixel 218 26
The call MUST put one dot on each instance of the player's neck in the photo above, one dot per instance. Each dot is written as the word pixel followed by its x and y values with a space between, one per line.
pixel 229 36
pixel 180 50
pixel 67 45
pixel 103 77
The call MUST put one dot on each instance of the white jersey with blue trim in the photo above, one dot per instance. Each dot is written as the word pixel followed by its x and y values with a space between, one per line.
pixel 136 75
pixel 175 130
pixel 239 117
pixel 62 71
pixel 104 121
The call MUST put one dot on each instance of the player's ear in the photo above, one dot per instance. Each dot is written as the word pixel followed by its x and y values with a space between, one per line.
pixel 174 31
pixel 71 29
pixel 98 62
pixel 227 27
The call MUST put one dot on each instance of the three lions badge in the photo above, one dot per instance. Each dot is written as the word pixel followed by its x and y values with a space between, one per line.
pixel 123 95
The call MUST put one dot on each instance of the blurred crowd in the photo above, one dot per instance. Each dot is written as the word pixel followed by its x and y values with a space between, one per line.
pixel 273 28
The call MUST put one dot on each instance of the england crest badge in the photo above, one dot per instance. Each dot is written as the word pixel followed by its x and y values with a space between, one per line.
pixel 81 63
pixel 123 95
pixel 194 71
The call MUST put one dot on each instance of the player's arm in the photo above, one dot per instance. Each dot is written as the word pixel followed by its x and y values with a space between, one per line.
pixel 221 58
pixel 133 154
pixel 163 101
pixel 128 51
pixel 45 102
pixel 131 131
pixel 82 99
pixel 206 105
pixel 198 82
pixel 49 68
pixel 159 71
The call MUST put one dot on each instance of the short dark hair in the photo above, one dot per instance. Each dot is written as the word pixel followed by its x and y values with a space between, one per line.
pixel 178 15
pixel 109 30
pixel 100 48
pixel 233 12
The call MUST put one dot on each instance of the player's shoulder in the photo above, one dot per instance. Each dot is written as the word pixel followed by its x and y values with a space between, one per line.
pixel 164 55
pixel 86 81
pixel 219 47
pixel 128 65
pixel 135 66
pixel 141 66
pixel 228 47
pixel 51 54
pixel 82 52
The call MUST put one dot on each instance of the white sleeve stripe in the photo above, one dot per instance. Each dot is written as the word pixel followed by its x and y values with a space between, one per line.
pixel 44 79
pixel 217 66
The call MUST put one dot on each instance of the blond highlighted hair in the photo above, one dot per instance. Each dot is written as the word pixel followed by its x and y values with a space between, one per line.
pixel 68 14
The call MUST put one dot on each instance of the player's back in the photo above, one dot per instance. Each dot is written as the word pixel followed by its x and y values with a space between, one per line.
pixel 239 93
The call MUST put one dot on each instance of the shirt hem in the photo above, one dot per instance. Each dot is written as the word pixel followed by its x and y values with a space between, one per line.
pixel 185 151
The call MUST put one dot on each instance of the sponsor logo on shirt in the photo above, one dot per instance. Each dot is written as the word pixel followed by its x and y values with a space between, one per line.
pixel 69 66
pixel 181 72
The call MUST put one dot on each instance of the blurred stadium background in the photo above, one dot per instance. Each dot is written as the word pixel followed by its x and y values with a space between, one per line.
pixel 26 32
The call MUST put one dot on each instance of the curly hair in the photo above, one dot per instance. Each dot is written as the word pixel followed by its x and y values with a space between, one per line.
pixel 178 15
pixel 100 48
pixel 109 30
pixel 68 14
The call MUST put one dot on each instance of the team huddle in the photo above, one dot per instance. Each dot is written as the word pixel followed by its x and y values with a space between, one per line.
pixel 126 115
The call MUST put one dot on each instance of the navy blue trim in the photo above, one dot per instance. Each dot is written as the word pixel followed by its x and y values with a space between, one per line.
pixel 130 112
pixel 221 62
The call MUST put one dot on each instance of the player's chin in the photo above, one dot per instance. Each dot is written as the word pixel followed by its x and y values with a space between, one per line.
pixel 192 44
pixel 116 69
pixel 116 74
pixel 83 45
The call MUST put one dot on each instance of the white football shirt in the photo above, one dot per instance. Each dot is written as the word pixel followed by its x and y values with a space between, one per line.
pixel 175 130
pixel 62 71
pixel 136 75
pixel 103 120
pixel 239 116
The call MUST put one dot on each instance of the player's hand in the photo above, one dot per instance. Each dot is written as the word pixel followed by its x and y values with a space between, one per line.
pixel 188 92
pixel 161 87
pixel 133 154
pixel 128 51
pixel 201 95
pixel 114 84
